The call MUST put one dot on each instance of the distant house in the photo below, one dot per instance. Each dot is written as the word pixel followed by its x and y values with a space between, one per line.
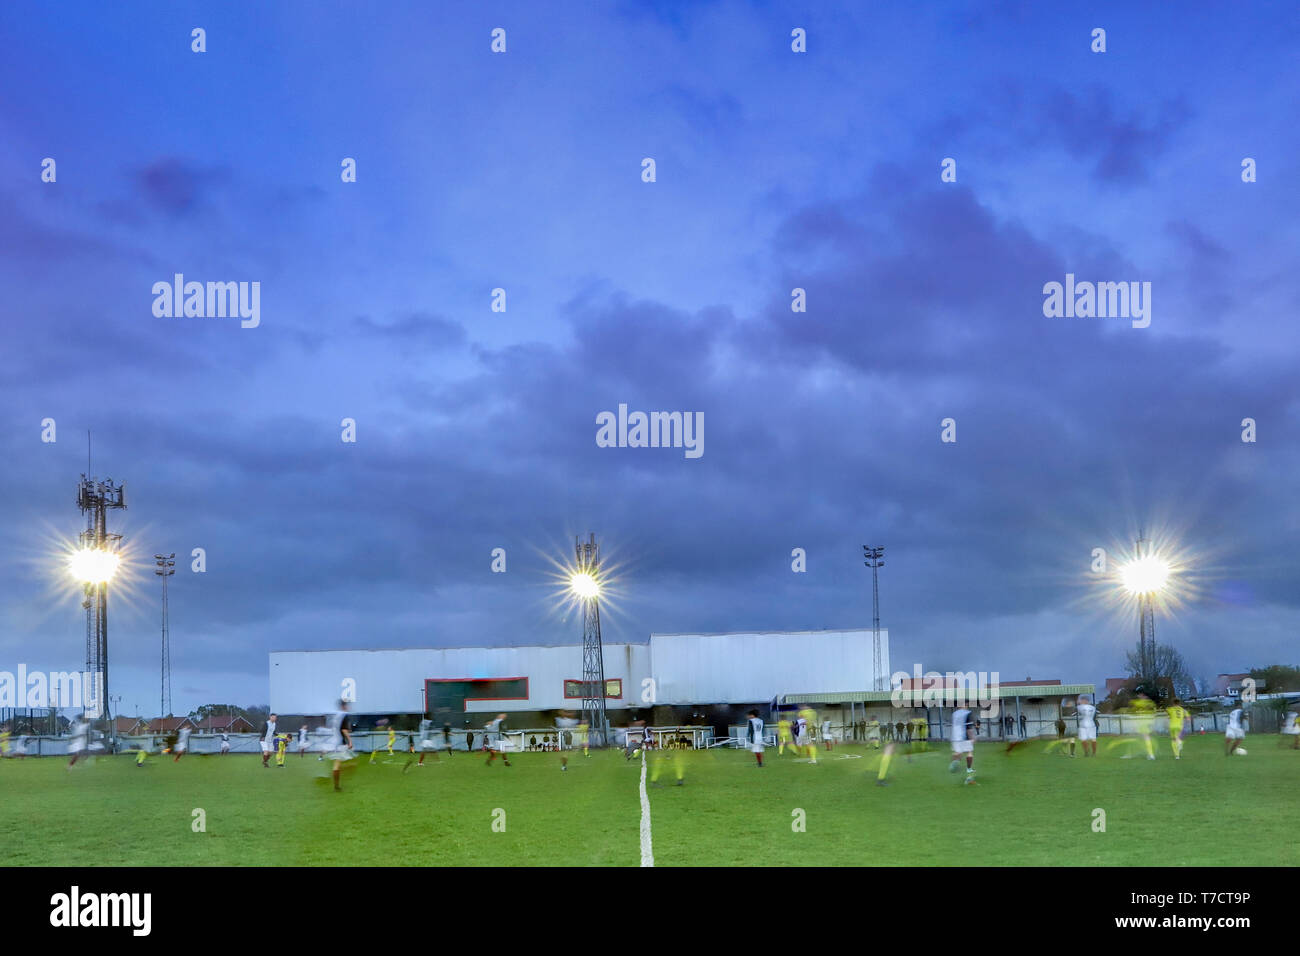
pixel 127 726
pixel 168 725
pixel 226 725
pixel 1229 685
pixel 1116 684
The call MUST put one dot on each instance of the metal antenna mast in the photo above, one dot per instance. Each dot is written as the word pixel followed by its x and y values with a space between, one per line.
pixel 593 655
pixel 875 561
pixel 166 568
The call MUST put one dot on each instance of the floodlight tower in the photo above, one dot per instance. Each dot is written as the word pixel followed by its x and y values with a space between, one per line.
pixel 1146 621
pixel 94 564
pixel 875 561
pixel 1146 578
pixel 585 585
pixel 166 568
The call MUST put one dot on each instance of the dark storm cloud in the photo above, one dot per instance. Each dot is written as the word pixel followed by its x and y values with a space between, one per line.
pixel 1123 144
pixel 1118 142
pixel 176 186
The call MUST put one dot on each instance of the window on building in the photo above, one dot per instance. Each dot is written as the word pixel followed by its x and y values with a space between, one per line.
pixel 613 688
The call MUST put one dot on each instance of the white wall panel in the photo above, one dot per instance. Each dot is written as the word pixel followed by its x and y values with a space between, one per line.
pixel 739 668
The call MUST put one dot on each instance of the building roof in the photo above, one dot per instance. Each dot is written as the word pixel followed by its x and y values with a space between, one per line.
pixel 164 724
pixel 885 696
pixel 224 722
pixel 820 630
pixel 458 647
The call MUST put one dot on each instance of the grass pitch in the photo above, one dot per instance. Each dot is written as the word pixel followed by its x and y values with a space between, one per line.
pixel 1030 807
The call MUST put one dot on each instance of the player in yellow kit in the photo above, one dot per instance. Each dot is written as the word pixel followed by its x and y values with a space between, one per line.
pixel 1144 709
pixel 1177 717
pixel 281 745
pixel 808 728
pixel 783 738
pixel 581 738
pixel 922 734
pixel 662 756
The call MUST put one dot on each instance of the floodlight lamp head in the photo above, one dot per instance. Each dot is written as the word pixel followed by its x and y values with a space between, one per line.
pixel 584 585
pixel 93 565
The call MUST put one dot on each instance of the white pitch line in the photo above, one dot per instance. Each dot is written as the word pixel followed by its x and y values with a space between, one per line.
pixel 647 850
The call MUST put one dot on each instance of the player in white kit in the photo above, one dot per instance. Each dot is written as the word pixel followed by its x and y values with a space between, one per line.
pixel 755 733
pixel 225 742
pixel 1291 728
pixel 1236 732
pixel 493 742
pixel 564 725
pixel 268 739
pixel 424 742
pixel 1087 726
pixel 964 728
pixel 339 747
pixel 79 742
pixel 182 743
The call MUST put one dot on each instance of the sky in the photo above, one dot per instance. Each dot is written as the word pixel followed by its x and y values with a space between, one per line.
pixel 774 170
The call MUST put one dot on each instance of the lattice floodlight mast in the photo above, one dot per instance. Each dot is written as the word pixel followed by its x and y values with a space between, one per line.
pixel 593 656
pixel 94 498
pixel 166 567
pixel 1146 627
pixel 875 561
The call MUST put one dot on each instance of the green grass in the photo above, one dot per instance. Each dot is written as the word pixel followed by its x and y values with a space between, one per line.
pixel 1029 808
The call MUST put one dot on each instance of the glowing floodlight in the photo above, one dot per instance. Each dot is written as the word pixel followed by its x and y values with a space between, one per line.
pixel 92 565
pixel 584 585
pixel 1146 575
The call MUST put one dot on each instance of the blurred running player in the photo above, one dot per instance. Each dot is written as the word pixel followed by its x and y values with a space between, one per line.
pixel 755 732
pixel 1236 731
pixel 1144 711
pixel 827 739
pixel 638 734
pixel 564 725
pixel 1291 728
pixel 664 755
pixel 1177 717
pixel 79 742
pixel 873 732
pixel 225 743
pixel 783 738
pixel 340 740
pixel 302 740
pixel 808 727
pixel 268 739
pixel 1087 726
pixel 964 728
pixel 182 744
pixel 493 741
pixel 424 742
